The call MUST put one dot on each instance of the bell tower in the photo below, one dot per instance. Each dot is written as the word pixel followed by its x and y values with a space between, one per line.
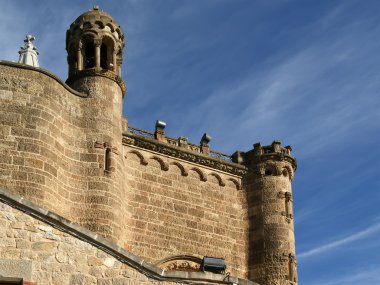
pixel 94 43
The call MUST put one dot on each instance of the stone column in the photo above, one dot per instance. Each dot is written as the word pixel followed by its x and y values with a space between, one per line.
pixel 114 68
pixel 271 234
pixel 119 61
pixel 79 57
pixel 97 43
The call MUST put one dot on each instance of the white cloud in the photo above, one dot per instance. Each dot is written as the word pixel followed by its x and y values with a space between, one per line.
pixel 340 242
pixel 322 94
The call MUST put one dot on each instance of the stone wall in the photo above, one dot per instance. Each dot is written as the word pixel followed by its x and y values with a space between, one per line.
pixel 53 141
pixel 181 208
pixel 47 249
pixel 37 252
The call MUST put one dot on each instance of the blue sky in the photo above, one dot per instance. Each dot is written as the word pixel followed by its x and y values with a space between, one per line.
pixel 246 71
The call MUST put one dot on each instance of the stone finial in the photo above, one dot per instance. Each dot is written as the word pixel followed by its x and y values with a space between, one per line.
pixel 288 149
pixel 183 142
pixel 276 145
pixel 29 53
pixel 257 149
pixel 238 157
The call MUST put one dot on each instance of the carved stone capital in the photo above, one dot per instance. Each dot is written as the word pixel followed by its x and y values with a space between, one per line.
pixel 97 42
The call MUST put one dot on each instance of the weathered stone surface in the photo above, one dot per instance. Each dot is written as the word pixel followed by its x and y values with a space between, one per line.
pixel 67 261
pixel 272 259
pixel 6 95
pixel 76 279
pixel 16 268
pixel 43 246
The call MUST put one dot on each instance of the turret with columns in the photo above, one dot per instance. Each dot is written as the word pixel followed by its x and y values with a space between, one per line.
pixel 94 44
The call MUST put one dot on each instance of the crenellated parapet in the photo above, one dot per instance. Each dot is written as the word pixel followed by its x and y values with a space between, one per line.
pixel 259 155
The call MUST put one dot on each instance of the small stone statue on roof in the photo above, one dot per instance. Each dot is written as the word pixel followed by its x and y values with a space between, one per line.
pixel 29 53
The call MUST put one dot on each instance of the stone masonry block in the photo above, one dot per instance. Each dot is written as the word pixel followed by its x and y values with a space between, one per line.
pixel 6 95
pixel 10 119
pixel 76 279
pixel 16 268
pixel 28 147
pixel 89 157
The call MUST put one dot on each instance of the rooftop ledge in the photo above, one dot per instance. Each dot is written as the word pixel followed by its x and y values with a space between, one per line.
pixel 180 148
pixel 45 72
pixel 235 164
pixel 83 73
pixel 124 256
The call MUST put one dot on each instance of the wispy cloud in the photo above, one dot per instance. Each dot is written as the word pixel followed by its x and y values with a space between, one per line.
pixel 301 96
pixel 340 242
pixel 367 276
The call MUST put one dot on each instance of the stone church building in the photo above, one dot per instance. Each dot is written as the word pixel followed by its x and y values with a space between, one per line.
pixel 87 199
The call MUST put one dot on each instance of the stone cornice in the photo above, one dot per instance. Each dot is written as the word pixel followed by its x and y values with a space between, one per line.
pixel 45 72
pixel 184 154
pixel 124 256
pixel 98 72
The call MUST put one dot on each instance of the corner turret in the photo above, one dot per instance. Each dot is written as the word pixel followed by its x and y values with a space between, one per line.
pixel 270 210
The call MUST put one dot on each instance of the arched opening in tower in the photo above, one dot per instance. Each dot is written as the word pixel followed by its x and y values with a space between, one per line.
pixel 107 53
pixel 104 64
pixel 89 56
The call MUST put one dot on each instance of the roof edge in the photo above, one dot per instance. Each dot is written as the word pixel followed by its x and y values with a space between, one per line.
pixel 45 72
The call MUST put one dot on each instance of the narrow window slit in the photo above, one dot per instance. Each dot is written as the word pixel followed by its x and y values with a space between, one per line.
pixel 288 209
pixel 108 161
